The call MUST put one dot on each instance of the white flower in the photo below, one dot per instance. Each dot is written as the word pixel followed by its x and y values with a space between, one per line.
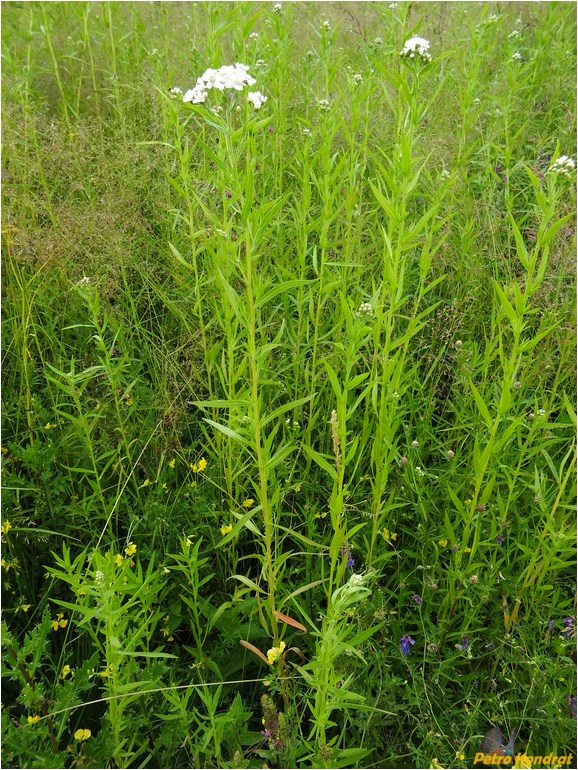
pixel 357 78
pixel 195 95
pixel 324 105
pixel 277 8
pixel 445 174
pixel 364 310
pixel 419 471
pixel 257 99
pixel 517 56
pixel 563 165
pixel 377 41
pixel 416 47
pixel 253 36
pixel 325 25
pixel 306 132
pixel 175 92
pixel 99 577
pixel 84 281
pixel 515 33
pixel 492 19
pixel 260 63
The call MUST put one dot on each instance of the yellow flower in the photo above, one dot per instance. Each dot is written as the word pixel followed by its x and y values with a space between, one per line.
pixel 226 528
pixel 128 401
pixel 105 673
pixel 166 570
pixel 4 450
pixel 435 764
pixel 467 550
pixel 275 653
pixel 60 622
pixel 145 483
pixel 5 527
pixel 320 515
pixel 23 607
pixel 189 540
pixel 443 542
pixel 460 756
pixel 297 488
pixel 118 559
pixel 97 407
pixel 200 466
pixel 130 550
pixel 387 535
pixel 66 671
pixel 248 503
pixel 48 426
pixel 82 735
pixel 172 463
pixel 33 719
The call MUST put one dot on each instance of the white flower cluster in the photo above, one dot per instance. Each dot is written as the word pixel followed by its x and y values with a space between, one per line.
pixel 365 310
pixel 517 56
pixel 324 105
pixel 416 48
pixel 228 77
pixel 563 165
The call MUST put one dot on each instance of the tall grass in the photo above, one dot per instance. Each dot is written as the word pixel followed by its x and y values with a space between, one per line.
pixel 289 394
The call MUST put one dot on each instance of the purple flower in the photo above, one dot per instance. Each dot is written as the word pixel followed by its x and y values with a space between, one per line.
pixel 572 705
pixel 569 631
pixel 350 560
pixel 270 129
pixel 464 642
pixel 500 538
pixel 405 643
pixel 417 598
pixel 228 194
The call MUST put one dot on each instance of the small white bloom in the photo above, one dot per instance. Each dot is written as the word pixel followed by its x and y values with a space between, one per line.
pixel 419 471
pixel 357 78
pixel 84 281
pixel 325 25
pixel 377 41
pixel 99 577
pixel 563 165
pixel 175 92
pixel 278 8
pixel 415 443
pixel 416 47
pixel 253 36
pixel 324 105
pixel 195 95
pixel 445 174
pixel 365 310
pixel 257 99
pixel 260 63
pixel 517 56
pixel 306 131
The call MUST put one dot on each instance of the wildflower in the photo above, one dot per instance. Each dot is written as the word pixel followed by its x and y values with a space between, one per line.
pixel 324 105
pixel 60 622
pixel 571 705
pixel 248 503
pixel 172 463
pixel 99 577
pixel 445 174
pixel 146 483
pixel 365 310
pixel 23 607
pixel 118 559
pixel 450 453
pixel 435 764
pixel 306 131
pixel 415 443
pixel 200 466
pixel 403 460
pixel 105 673
pixel 570 631
pixel 82 735
pixel 225 529
pixel 378 41
pixel 474 579
pixel 416 48
pixel 419 470
pixel 253 36
pixel 443 542
pixel 467 549
pixel 275 653
pixel 432 647
pixel 260 63
pixel 417 599
pixel 175 92
pixel 387 535
pixel 5 527
pixel 517 56
pixel 464 643
pixel 49 426
pixel 129 401
pixel 460 755
pixel 130 550
pixel 357 78
pixel 66 671
pixel 563 166
pixel 257 99
pixel 500 538
pixel 32 720
pixel 405 644
pixel 277 8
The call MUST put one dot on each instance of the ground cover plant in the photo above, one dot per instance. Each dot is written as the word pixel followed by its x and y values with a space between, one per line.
pixel 289 385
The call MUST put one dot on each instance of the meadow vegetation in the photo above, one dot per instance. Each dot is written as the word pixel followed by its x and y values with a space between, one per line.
pixel 289 429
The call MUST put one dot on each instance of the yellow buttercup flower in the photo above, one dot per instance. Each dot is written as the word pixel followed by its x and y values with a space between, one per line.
pixel 387 535
pixel 105 673
pixel 82 735
pixel 443 542
pixel 248 503
pixel 130 550
pixel 467 550
pixel 33 719
pixel 172 463
pixel 5 527
pixel 66 671
pixel 200 466
pixel 48 426
pixel 118 559
pixel 226 528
